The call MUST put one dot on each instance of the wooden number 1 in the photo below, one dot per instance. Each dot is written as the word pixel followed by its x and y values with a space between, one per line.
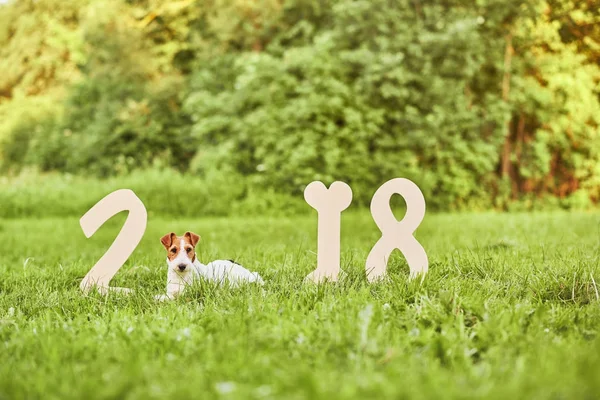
pixel 125 243
pixel 329 204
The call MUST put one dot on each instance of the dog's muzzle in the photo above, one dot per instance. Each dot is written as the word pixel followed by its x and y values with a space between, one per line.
pixel 182 267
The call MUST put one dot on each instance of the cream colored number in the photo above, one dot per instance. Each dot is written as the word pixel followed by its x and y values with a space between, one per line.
pixel 329 204
pixel 125 243
pixel 397 234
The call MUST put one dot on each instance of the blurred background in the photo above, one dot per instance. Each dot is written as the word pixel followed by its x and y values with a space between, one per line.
pixel 238 104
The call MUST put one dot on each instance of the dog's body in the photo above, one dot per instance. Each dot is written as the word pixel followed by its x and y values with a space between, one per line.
pixel 184 267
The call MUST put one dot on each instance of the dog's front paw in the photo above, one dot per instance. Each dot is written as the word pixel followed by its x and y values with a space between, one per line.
pixel 163 297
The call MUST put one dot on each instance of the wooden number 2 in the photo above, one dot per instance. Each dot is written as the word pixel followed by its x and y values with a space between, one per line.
pixel 125 243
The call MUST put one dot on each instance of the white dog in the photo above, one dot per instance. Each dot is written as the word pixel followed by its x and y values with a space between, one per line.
pixel 184 267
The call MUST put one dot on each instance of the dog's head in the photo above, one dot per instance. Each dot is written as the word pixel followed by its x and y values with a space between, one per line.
pixel 181 250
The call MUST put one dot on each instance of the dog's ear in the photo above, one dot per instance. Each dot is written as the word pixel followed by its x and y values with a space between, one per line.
pixel 167 240
pixel 194 239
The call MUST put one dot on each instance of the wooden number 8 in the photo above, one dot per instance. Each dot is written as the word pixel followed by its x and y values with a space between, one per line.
pixel 125 243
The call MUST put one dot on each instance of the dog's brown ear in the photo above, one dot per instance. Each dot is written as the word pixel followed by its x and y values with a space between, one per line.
pixel 194 239
pixel 167 240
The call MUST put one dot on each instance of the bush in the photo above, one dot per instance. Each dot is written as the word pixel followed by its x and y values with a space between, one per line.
pixel 491 104
pixel 355 105
pixel 164 192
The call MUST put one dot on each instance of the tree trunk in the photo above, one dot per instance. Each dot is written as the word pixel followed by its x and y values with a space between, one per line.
pixel 506 150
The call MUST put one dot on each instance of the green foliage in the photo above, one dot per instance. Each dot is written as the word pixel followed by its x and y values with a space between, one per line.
pixel 555 134
pixel 40 46
pixel 483 105
pixel 119 118
pixel 163 191
pixel 41 50
pixel 357 105
pixel 114 126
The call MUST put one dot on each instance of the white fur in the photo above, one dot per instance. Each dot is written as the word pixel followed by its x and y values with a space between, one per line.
pixel 220 271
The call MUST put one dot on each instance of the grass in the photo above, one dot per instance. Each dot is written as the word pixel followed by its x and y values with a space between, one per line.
pixel 510 309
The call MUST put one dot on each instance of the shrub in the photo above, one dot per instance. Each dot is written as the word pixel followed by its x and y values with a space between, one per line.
pixel 164 192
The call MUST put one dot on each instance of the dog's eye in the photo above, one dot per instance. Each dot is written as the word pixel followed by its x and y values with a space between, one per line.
pixel 173 250
pixel 189 249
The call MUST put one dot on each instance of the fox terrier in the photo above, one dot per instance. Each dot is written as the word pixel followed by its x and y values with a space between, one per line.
pixel 184 267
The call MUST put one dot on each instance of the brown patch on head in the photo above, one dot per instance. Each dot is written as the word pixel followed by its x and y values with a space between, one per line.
pixel 172 243
pixel 168 240
pixel 192 237
pixel 191 240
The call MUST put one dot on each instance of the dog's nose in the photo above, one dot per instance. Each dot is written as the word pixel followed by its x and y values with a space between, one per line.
pixel 181 267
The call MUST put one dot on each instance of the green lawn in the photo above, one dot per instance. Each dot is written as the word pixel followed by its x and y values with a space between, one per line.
pixel 509 309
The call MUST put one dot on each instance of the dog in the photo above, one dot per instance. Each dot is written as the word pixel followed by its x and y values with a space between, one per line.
pixel 184 267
